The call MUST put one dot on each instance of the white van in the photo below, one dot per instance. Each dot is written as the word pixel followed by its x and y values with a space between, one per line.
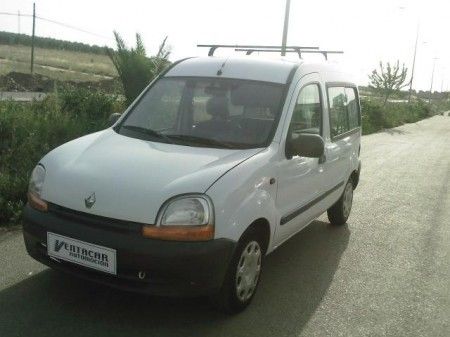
pixel 216 164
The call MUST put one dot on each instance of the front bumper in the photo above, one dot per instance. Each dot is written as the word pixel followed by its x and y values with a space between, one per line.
pixel 171 268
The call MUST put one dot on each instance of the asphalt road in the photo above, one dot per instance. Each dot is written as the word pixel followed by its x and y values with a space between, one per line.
pixel 385 274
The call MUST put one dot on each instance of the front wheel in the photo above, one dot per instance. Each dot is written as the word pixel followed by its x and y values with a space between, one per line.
pixel 340 211
pixel 242 277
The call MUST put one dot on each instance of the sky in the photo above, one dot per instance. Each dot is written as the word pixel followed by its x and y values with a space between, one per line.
pixel 367 31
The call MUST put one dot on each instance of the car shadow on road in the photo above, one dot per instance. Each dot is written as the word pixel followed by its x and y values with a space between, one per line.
pixel 296 278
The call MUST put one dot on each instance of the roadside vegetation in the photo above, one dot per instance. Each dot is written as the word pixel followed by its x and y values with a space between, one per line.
pixel 136 70
pixel 377 115
pixel 388 79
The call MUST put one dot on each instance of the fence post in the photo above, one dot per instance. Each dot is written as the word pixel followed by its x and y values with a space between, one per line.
pixel 32 38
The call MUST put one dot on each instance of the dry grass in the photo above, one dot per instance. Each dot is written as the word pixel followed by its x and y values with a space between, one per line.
pixel 58 64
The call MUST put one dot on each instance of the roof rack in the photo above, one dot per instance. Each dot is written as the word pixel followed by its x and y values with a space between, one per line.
pixel 249 49
pixel 325 53
pixel 213 47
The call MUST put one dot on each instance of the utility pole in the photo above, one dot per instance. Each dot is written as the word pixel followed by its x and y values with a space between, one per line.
pixel 32 38
pixel 413 65
pixel 432 79
pixel 18 22
pixel 285 28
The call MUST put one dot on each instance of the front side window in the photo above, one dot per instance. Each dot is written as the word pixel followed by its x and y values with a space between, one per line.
pixel 307 114
pixel 208 112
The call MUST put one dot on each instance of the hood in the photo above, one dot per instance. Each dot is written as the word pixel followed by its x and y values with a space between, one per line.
pixel 131 178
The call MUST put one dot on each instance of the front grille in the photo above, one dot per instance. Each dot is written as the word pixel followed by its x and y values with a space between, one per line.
pixel 96 221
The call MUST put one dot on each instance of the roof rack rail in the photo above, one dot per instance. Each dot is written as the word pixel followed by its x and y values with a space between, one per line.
pixel 325 53
pixel 213 47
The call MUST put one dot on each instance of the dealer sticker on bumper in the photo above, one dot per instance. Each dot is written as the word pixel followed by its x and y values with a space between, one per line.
pixel 82 253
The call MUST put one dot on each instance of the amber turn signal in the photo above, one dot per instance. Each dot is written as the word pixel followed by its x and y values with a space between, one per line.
pixel 36 202
pixel 179 233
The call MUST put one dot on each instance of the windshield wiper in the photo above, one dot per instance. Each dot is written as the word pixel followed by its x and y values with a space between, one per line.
pixel 202 140
pixel 148 132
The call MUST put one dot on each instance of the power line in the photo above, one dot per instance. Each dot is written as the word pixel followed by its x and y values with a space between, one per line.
pixel 15 14
pixel 72 27
pixel 58 23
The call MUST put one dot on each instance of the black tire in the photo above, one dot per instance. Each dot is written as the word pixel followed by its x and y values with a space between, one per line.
pixel 228 300
pixel 339 212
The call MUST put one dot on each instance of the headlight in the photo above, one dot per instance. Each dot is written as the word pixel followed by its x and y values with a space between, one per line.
pixel 35 188
pixel 186 211
pixel 185 218
pixel 37 180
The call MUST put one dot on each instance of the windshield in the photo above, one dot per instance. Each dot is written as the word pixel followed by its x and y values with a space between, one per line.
pixel 226 113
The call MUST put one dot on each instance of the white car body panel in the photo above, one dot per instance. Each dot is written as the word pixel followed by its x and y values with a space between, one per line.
pixel 243 68
pixel 131 178
pixel 245 194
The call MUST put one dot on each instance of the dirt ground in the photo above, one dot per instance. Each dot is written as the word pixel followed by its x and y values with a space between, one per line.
pixel 15 81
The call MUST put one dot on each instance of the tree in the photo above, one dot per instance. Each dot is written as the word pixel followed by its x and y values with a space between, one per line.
pixel 135 69
pixel 388 79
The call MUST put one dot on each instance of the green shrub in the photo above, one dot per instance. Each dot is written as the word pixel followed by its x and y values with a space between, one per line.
pixel 135 69
pixel 376 117
pixel 29 130
pixel 88 104
pixel 372 116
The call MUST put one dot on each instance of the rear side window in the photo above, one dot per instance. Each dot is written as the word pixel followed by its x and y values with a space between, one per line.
pixel 352 108
pixel 344 110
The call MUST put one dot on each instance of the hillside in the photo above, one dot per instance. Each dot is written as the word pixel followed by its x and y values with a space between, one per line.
pixel 56 59
pixel 49 43
pixel 63 65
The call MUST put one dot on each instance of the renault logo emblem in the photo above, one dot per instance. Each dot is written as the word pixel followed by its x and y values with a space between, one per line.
pixel 90 201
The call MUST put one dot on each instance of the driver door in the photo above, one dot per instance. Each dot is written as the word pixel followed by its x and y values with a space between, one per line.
pixel 299 178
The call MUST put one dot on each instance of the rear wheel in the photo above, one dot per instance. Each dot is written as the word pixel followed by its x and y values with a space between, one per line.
pixel 340 211
pixel 243 273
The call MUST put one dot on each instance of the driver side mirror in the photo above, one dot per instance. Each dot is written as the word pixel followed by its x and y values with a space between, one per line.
pixel 113 118
pixel 305 145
